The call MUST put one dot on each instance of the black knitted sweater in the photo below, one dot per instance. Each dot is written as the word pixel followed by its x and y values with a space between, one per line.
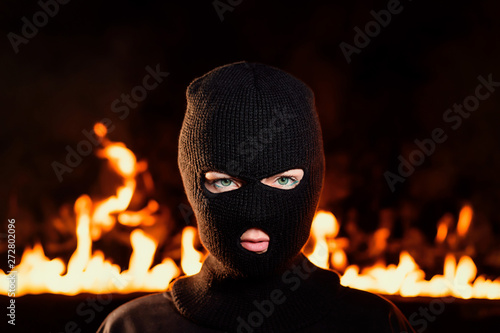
pixel 304 298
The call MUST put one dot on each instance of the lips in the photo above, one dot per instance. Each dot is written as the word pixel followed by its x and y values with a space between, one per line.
pixel 255 240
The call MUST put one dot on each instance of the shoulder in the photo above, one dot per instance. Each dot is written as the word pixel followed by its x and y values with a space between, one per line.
pixel 137 315
pixel 369 312
pixel 152 313
pixel 354 297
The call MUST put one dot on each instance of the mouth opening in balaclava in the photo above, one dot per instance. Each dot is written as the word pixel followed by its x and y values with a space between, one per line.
pixel 251 121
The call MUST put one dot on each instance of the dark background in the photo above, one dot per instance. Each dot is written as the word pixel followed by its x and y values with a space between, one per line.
pixel 372 109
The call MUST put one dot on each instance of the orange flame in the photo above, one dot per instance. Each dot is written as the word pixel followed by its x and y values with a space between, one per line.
pixel 142 217
pixel 86 273
pixel 324 229
pixel 89 271
pixel 464 220
pixel 123 161
pixel 324 225
pixel 443 226
pixel 100 130
pixel 406 278
pixel 191 258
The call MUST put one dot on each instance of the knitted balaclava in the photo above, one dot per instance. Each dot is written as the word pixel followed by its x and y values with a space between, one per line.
pixel 251 122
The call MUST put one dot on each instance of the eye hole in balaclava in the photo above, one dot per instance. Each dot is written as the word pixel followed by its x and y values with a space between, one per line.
pixel 251 121
pixel 217 182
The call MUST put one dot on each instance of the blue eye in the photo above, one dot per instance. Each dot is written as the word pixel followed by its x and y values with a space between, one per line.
pixel 286 181
pixel 223 182
pixel 283 180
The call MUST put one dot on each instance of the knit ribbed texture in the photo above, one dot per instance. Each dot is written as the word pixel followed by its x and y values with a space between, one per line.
pixel 250 121
pixel 212 300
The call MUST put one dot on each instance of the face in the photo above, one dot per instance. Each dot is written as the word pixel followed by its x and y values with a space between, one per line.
pixel 253 240
pixel 251 159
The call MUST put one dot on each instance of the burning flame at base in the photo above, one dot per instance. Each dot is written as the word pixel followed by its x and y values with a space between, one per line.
pixel 406 279
pixel 37 274
pixel 90 272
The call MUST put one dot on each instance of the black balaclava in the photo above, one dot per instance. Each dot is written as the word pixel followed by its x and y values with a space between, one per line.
pixel 251 121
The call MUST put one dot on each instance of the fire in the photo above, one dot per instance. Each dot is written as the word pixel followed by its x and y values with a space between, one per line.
pixel 100 130
pixel 406 278
pixel 123 161
pixel 328 250
pixel 191 258
pixel 443 226
pixel 144 216
pixel 326 226
pixel 81 256
pixel 464 220
pixel 89 271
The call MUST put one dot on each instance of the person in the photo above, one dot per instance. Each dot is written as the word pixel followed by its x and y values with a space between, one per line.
pixel 252 164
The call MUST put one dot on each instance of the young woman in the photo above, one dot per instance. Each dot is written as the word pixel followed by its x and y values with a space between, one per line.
pixel 252 163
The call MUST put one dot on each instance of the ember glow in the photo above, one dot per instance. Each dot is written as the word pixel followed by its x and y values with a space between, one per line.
pixel 89 271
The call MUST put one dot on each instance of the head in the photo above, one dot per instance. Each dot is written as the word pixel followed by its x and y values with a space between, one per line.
pixel 252 163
